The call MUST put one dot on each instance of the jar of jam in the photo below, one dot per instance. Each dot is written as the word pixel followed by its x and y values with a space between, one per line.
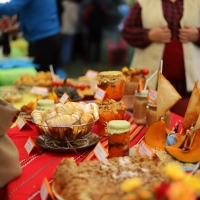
pixel 109 110
pixel 118 138
pixel 151 111
pixel 113 83
pixel 139 107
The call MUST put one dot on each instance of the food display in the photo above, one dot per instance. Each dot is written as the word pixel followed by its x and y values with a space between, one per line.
pixel 70 120
pixel 118 138
pixel 11 96
pixel 184 145
pixel 102 180
pixel 27 109
pixel 71 91
pixel 109 110
pixel 42 78
pixel 187 147
pixel 113 83
pixel 135 75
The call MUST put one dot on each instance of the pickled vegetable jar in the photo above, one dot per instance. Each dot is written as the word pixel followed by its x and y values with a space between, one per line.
pixel 118 138
pixel 109 110
pixel 139 107
pixel 113 83
pixel 151 111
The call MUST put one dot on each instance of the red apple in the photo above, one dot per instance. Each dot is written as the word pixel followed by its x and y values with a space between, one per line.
pixel 145 71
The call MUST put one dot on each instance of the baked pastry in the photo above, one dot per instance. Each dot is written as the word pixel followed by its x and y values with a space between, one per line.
pixel 101 180
pixel 37 116
pixel 45 104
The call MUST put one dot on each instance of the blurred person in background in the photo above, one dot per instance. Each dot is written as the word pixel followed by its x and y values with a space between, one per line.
pixel 70 22
pixel 95 17
pixel 78 44
pixel 60 10
pixel 167 30
pixel 39 24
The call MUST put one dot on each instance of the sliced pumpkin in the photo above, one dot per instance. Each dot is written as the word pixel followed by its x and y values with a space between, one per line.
pixel 191 156
pixel 180 140
pixel 156 134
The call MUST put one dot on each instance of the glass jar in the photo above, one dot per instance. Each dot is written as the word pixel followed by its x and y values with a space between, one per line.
pixel 113 83
pixel 139 107
pixel 151 111
pixel 109 110
pixel 118 138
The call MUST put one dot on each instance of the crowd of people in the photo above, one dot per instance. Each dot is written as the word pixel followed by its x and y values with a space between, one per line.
pixel 58 31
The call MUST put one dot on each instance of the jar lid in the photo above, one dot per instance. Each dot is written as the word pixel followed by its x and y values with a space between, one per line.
pixel 118 126
pixel 142 93
pixel 151 103
pixel 110 77
pixel 111 104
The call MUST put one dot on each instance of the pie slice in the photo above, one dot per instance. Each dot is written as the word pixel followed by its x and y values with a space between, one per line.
pixel 193 108
pixel 167 96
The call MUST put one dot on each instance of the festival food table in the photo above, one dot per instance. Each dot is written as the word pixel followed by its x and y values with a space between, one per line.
pixel 41 163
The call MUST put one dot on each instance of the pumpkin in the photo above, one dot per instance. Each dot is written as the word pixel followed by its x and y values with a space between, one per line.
pixel 191 156
pixel 180 140
pixel 156 134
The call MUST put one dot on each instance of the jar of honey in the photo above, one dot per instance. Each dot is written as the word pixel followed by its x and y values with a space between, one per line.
pixel 151 111
pixel 113 83
pixel 118 138
pixel 109 110
pixel 139 107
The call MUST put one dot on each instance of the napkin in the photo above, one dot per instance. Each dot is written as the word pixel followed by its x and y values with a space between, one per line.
pixel 9 160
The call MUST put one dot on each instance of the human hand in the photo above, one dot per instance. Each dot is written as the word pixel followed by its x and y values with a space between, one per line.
pixel 188 34
pixel 13 30
pixel 160 34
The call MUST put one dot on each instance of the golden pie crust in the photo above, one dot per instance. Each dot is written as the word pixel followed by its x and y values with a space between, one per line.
pixel 92 180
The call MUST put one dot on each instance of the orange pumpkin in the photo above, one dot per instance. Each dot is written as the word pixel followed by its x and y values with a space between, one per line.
pixel 156 135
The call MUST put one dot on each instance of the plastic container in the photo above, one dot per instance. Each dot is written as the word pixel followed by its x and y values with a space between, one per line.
pixel 113 83
pixel 118 138
pixel 151 110
pixel 139 107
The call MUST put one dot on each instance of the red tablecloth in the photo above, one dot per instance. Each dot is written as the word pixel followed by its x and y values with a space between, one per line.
pixel 40 164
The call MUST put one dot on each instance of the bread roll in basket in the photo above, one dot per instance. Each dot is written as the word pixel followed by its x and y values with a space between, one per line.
pixel 71 120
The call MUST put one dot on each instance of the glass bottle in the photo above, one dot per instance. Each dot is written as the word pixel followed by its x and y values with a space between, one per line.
pixel 139 107
pixel 118 138
pixel 151 110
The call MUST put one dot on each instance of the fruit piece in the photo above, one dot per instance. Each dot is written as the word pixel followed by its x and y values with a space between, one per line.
pixel 125 69
pixel 135 72
pixel 156 135
pixel 82 87
pixel 145 71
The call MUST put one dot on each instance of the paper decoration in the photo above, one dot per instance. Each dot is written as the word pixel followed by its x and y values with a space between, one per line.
pixel 92 74
pixel 29 146
pixel 144 149
pixel 23 124
pixel 100 152
pixel 100 94
pixel 64 98
pixel 45 191
pixel 152 95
